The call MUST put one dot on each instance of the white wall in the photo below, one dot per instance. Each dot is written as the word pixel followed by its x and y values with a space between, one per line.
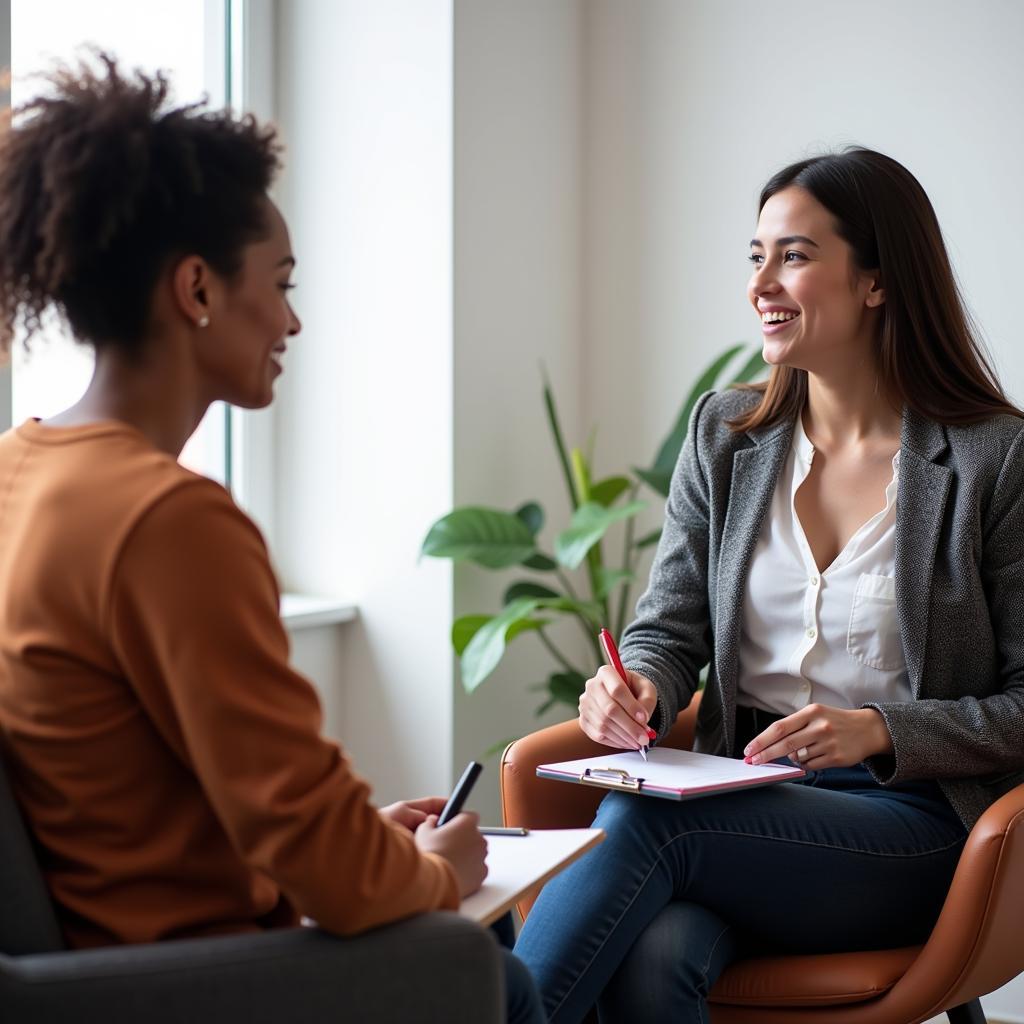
pixel 364 448
pixel 517 303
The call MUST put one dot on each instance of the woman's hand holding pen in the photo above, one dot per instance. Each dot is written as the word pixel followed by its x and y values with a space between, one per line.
pixel 461 844
pixel 819 736
pixel 411 814
pixel 615 714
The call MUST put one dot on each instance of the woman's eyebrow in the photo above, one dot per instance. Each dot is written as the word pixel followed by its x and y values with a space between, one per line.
pixel 287 261
pixel 788 240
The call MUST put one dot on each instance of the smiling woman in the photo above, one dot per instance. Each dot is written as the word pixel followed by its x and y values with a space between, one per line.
pixel 843 545
pixel 857 240
pixel 168 759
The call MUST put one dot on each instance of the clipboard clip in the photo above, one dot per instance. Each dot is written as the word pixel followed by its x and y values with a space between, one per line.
pixel 611 778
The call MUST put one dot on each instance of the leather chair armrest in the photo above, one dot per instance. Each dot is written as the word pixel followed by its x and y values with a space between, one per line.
pixel 975 945
pixel 435 967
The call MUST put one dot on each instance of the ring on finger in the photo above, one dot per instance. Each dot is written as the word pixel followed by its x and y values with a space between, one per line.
pixel 801 755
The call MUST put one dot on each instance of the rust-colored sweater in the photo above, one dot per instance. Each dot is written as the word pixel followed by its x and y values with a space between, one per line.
pixel 168 760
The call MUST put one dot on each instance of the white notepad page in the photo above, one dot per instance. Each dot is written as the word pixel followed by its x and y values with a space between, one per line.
pixel 518 865
pixel 671 769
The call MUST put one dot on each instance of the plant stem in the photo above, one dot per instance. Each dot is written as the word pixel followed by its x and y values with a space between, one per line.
pixel 627 565
pixel 557 654
pixel 567 583
pixel 587 626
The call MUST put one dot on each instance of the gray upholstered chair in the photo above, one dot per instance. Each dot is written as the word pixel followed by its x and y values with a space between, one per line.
pixel 437 967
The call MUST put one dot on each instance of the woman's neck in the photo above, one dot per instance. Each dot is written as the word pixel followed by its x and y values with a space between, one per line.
pixel 850 409
pixel 156 393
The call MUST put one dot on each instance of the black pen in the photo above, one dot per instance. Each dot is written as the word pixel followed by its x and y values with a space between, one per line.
pixel 460 792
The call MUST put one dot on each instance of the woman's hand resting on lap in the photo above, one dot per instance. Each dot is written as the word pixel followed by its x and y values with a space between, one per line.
pixel 615 714
pixel 819 736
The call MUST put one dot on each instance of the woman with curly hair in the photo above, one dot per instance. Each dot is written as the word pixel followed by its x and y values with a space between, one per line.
pixel 168 760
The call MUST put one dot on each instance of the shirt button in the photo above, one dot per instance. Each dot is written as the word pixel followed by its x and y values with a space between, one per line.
pixel 812 633
pixel 814 581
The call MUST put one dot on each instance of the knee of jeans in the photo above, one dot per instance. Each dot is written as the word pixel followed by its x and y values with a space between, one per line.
pixel 627 818
pixel 673 962
pixel 620 809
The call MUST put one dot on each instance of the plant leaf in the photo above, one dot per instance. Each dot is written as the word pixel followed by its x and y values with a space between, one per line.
pixel 533 515
pixel 465 628
pixel 655 479
pixel 580 474
pixel 589 609
pixel 752 368
pixel 527 589
pixel 556 435
pixel 609 579
pixel 606 491
pixel 668 453
pixel 484 651
pixel 648 539
pixel 540 562
pixel 486 536
pixel 589 524
pixel 566 687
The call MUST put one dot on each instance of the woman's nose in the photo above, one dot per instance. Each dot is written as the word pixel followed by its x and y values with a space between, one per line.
pixel 763 281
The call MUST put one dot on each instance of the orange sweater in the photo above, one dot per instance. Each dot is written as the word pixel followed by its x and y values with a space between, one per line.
pixel 168 760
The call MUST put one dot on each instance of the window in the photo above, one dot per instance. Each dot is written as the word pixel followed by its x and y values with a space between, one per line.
pixel 191 39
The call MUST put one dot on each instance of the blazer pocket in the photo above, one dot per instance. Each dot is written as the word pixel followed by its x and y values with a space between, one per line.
pixel 874 634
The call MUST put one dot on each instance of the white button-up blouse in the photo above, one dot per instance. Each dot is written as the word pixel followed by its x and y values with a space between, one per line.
pixel 829 637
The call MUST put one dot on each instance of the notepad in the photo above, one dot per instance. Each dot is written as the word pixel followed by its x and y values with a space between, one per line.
pixel 520 865
pixel 669 773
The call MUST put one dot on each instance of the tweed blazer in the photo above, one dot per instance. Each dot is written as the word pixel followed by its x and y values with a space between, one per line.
pixel 959 593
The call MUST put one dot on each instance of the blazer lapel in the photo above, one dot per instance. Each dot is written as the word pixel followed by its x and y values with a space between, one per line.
pixel 920 504
pixel 755 471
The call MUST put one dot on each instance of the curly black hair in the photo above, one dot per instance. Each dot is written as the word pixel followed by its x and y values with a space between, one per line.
pixel 102 183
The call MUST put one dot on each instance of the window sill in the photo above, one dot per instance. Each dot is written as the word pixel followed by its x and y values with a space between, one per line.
pixel 300 611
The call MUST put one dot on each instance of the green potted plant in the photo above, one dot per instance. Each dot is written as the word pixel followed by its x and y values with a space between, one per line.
pixel 496 539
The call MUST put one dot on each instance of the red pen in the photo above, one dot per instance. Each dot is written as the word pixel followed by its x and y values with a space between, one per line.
pixel 611 652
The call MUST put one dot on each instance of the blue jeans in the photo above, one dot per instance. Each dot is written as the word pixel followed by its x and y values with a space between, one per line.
pixel 644 923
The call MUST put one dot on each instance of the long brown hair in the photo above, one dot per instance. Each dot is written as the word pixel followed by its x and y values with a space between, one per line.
pixel 928 352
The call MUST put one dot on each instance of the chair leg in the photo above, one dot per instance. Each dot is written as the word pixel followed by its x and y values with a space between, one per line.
pixel 969 1013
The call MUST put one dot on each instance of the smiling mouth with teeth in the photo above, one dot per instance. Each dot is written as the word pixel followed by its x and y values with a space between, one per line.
pixel 777 317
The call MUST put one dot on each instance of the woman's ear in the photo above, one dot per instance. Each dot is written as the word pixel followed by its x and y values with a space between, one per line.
pixel 876 293
pixel 190 286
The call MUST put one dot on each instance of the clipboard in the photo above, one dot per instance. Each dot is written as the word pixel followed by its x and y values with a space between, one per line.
pixel 670 774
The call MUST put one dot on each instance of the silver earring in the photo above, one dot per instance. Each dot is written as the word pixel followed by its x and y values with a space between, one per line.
pixel 204 321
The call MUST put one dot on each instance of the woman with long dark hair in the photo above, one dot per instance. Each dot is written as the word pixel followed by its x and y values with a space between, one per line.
pixel 844 545
pixel 168 760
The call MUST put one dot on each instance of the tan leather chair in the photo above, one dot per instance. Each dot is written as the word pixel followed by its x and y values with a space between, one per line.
pixel 976 946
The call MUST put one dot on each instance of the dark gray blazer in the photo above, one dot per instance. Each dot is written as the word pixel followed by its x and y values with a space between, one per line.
pixel 959 593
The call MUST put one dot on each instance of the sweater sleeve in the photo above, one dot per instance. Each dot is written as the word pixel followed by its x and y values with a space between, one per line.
pixel 193 607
